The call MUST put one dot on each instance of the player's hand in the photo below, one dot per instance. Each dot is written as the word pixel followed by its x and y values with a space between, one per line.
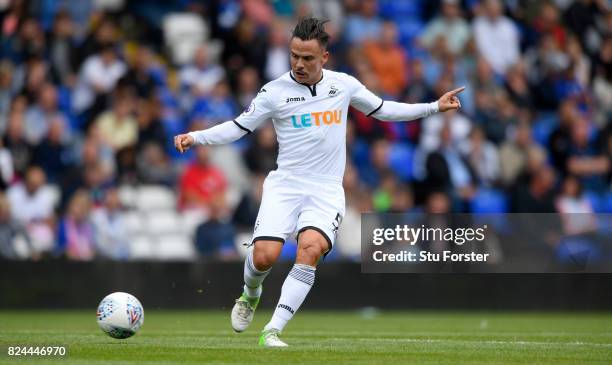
pixel 182 142
pixel 450 101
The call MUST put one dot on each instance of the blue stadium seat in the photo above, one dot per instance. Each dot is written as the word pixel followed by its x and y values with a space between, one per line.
pixel 578 251
pixel 543 126
pixel 489 201
pixel 393 9
pixel 488 207
pixel 400 160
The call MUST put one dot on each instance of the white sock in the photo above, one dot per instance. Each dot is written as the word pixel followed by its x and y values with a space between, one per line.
pixel 253 277
pixel 294 291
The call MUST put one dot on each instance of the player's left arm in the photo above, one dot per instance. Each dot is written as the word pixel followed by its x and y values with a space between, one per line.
pixel 367 102
pixel 394 111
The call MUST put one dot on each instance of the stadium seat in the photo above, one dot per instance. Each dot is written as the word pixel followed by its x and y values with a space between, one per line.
pixel 127 196
pixel 488 207
pixel 56 194
pixel 489 201
pixel 134 222
pixel 543 126
pixel 155 197
pixel 175 247
pixel 141 248
pixel 400 160
pixel 163 222
pixel 183 33
pixel 190 219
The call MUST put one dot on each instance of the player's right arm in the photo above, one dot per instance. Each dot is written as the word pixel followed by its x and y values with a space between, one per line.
pixel 260 110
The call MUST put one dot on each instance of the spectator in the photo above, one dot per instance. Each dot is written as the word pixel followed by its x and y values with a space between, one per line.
pixel 97 79
pixel 154 166
pixel 449 26
pixel 248 86
pixel 140 74
pixel 76 239
pixel 11 232
pixel 261 155
pixel 39 117
pixel 576 210
pixel 53 154
pixel 586 160
pixel 35 201
pixel 492 29
pixel 277 59
pixel 150 127
pixel 218 106
pixel 202 75
pixel 244 46
pixel 215 237
pixel 365 25
pixel 432 126
pixel 7 172
pixel 15 142
pixel 514 154
pixel 447 170
pixel 117 126
pixel 482 157
pixel 537 196
pixel 388 60
pixel 200 182
pixel 62 49
pixel 111 235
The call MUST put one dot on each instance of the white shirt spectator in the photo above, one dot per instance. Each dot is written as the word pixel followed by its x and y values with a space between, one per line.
pixel 431 127
pixel 112 238
pixel 96 74
pixel 27 208
pixel 203 79
pixel 498 41
pixel 455 31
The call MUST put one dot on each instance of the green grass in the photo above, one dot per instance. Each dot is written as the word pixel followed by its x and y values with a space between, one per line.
pixel 349 337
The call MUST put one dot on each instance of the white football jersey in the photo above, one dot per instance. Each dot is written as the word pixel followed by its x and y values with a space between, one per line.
pixel 310 120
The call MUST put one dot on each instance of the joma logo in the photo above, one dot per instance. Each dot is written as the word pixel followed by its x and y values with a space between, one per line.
pixel 292 100
pixel 286 307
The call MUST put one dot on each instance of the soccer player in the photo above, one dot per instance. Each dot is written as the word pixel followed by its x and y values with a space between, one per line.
pixel 308 107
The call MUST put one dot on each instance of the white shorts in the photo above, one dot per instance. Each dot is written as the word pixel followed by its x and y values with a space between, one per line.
pixel 292 203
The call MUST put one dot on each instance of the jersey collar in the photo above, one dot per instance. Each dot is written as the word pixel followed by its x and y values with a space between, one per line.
pixel 311 88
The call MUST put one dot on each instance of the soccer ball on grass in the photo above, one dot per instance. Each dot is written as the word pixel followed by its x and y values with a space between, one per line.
pixel 120 315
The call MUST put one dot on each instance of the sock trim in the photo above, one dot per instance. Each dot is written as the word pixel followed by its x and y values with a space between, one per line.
pixel 303 275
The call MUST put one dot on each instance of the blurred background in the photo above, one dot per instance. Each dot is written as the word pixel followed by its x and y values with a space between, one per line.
pixel 92 92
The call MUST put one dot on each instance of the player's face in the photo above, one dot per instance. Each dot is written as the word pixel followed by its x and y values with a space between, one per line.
pixel 307 60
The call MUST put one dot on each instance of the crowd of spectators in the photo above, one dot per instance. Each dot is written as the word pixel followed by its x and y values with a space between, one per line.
pixel 91 94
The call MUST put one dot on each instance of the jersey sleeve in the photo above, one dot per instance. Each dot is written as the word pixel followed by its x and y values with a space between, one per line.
pixel 363 99
pixel 260 110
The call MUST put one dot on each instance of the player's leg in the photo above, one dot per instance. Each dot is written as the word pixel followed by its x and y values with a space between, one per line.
pixel 257 266
pixel 275 221
pixel 320 216
pixel 312 245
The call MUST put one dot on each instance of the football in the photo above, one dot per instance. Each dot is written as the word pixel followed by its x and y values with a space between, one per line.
pixel 120 315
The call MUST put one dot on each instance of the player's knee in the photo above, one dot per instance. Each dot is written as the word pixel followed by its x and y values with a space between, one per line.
pixel 264 257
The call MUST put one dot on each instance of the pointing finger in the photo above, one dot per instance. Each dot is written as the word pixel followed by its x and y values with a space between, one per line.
pixel 457 90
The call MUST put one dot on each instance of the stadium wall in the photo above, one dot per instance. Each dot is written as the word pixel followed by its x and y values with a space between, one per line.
pixel 60 284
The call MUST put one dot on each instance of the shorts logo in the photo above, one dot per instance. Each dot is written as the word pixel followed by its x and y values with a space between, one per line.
pixel 250 109
pixel 296 99
pixel 286 307
pixel 317 119
pixel 336 223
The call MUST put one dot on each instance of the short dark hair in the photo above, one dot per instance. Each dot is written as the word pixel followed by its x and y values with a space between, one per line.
pixel 309 28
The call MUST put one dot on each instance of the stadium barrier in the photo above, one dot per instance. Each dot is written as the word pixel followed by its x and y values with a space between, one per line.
pixel 215 285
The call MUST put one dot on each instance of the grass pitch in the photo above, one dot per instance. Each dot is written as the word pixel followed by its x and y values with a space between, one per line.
pixel 348 337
